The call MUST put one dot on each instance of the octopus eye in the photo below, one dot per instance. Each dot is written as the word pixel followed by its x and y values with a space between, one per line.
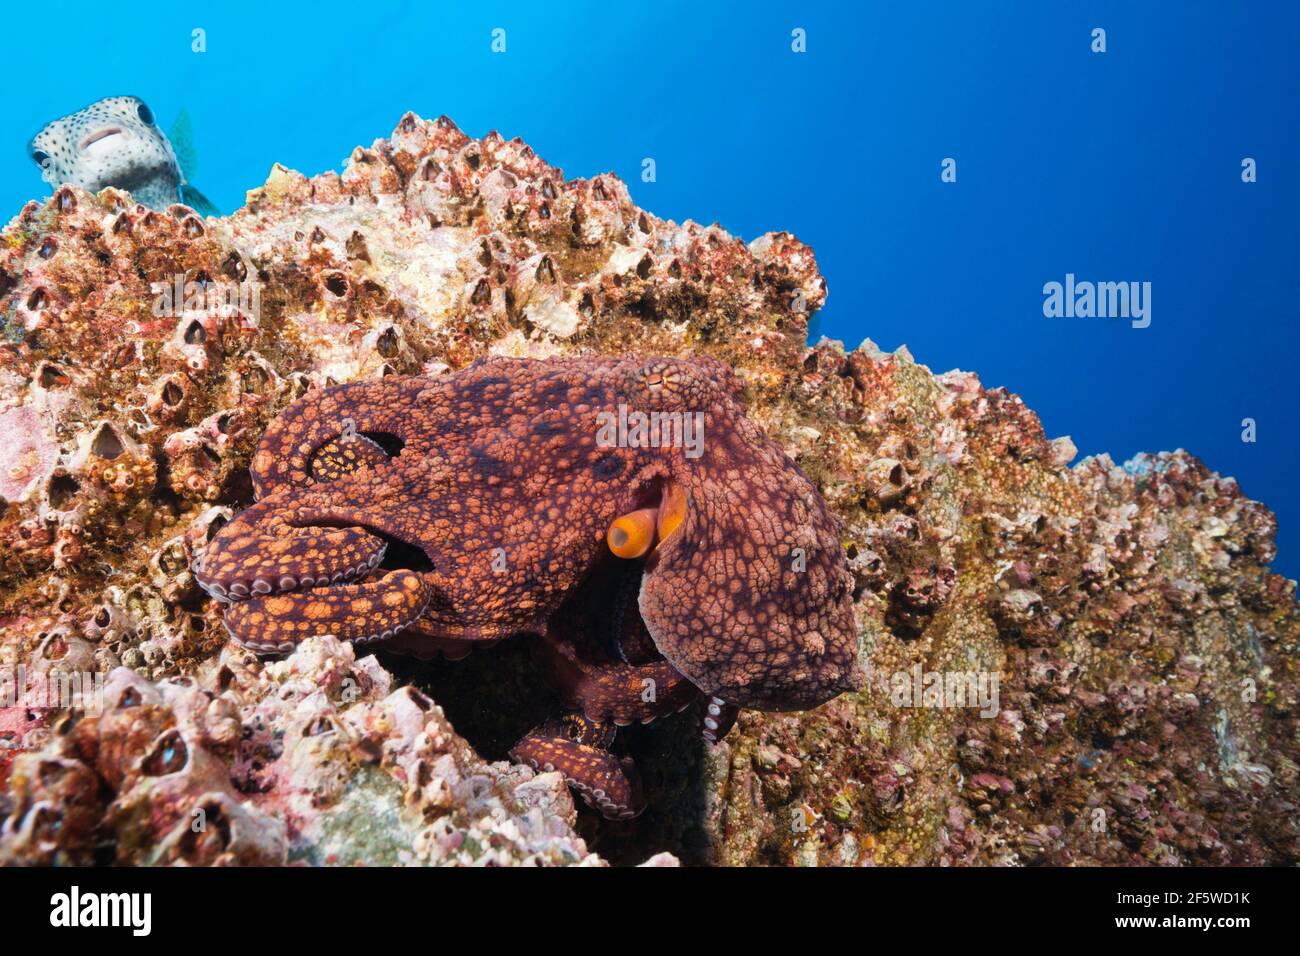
pixel 344 455
pixel 40 157
pixel 671 383
pixel 145 114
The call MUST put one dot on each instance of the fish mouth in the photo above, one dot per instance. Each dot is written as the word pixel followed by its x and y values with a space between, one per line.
pixel 101 134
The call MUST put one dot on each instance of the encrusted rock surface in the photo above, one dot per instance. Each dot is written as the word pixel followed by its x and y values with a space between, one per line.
pixel 316 758
pixel 1145 655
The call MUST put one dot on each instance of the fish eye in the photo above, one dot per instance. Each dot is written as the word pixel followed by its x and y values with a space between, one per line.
pixel 40 157
pixel 146 114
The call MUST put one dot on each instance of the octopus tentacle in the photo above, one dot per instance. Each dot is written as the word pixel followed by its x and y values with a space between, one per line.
pixel 606 690
pixel 633 693
pixel 370 611
pixel 280 557
pixel 578 748
pixel 718 719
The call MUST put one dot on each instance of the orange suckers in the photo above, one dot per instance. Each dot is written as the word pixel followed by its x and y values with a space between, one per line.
pixel 633 534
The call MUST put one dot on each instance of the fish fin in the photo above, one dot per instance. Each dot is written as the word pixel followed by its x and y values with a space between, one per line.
pixel 182 139
pixel 197 201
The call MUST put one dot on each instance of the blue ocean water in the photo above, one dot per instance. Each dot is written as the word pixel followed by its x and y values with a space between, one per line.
pixel 1117 166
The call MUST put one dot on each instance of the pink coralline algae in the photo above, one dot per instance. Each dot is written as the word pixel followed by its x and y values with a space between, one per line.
pixel 1142 653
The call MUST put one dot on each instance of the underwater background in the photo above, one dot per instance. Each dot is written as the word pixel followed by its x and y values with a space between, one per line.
pixel 1117 166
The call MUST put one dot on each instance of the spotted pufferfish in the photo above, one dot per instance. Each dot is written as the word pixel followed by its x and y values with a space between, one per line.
pixel 117 142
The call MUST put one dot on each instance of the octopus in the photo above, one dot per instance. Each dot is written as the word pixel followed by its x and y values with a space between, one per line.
pixel 622 510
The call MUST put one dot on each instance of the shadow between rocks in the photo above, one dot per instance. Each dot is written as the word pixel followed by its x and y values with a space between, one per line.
pixel 495 696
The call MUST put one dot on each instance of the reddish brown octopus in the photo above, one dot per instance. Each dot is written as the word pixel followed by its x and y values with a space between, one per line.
pixel 623 509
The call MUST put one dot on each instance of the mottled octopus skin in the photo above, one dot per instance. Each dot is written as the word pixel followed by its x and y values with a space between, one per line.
pixel 580 749
pixel 472 506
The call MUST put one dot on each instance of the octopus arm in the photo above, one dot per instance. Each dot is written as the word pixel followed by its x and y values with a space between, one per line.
pixel 577 748
pixel 370 611
pixel 260 557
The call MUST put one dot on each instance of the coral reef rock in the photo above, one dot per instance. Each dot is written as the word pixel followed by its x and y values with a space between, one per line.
pixel 1087 664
